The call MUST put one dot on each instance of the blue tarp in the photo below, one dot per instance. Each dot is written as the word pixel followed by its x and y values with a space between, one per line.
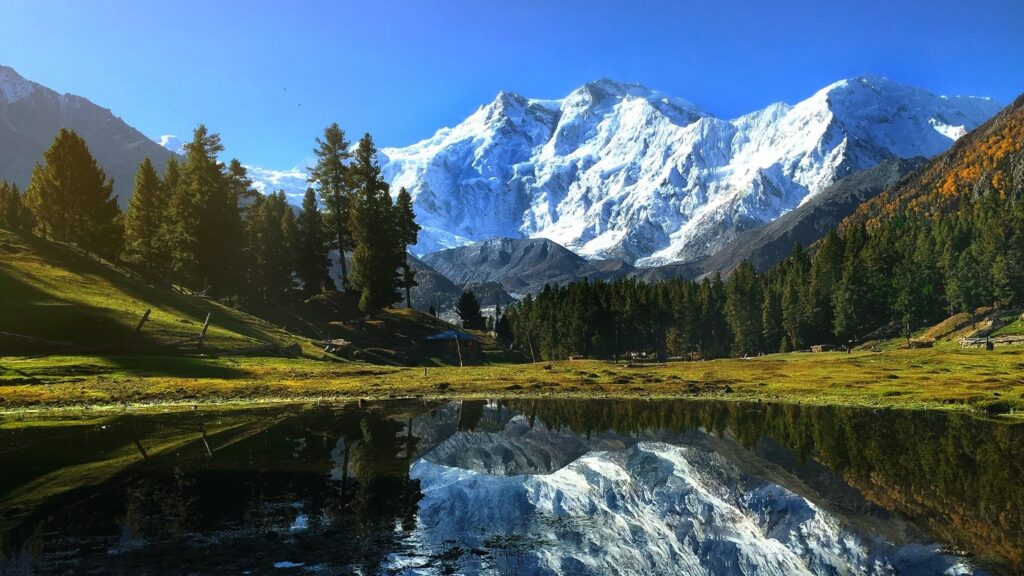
pixel 452 335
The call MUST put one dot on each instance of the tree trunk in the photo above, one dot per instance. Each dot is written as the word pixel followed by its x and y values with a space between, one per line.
pixel 405 280
pixel 341 260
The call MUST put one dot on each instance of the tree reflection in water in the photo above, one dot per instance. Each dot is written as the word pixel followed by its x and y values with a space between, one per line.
pixel 329 487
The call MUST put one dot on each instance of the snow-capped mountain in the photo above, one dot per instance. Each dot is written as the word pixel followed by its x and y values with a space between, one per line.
pixel 31 115
pixel 621 171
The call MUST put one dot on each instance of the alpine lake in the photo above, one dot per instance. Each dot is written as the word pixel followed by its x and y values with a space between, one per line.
pixel 512 487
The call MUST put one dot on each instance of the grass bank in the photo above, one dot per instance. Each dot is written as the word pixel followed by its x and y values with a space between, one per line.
pixel 939 379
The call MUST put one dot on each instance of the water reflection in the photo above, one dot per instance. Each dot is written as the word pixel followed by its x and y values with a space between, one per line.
pixel 566 487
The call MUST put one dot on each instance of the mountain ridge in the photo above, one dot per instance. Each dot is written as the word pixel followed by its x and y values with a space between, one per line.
pixel 31 115
pixel 621 171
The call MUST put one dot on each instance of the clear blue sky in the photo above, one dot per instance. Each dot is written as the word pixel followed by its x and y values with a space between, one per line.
pixel 269 75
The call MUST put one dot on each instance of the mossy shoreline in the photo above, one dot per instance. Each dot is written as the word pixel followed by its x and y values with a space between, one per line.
pixel 972 381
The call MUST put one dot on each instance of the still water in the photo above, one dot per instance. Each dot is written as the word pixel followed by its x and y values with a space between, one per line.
pixel 519 487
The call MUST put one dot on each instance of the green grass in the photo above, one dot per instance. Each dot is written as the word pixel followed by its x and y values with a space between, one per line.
pixel 942 379
pixel 55 292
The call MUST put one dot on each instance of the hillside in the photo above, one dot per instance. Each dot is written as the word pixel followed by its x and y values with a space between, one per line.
pixel 986 161
pixel 32 114
pixel 57 293
pixel 768 245
pixel 521 265
pixel 76 303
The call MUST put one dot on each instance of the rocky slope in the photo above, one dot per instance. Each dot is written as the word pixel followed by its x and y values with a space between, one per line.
pixel 621 171
pixel 768 245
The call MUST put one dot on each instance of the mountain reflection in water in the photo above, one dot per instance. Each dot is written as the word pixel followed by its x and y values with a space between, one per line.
pixel 519 487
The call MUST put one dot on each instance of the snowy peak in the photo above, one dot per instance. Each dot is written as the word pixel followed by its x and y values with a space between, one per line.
pixel 617 170
pixel 172 143
pixel 906 120
pixel 13 87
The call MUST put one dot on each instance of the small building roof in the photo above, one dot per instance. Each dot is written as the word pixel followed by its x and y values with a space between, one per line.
pixel 453 335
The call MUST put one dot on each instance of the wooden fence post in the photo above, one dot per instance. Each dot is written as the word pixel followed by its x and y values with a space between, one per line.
pixel 202 334
pixel 138 327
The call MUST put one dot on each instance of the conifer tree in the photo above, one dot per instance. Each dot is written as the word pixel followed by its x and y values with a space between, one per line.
pixel 407 235
pixel 743 309
pixel 189 221
pixel 71 198
pixel 144 222
pixel 332 179
pixel 313 262
pixel 271 244
pixel 14 215
pixel 771 317
pixel 503 329
pixel 375 259
pixel 468 309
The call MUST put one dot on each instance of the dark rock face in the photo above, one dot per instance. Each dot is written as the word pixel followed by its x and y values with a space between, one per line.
pixel 522 265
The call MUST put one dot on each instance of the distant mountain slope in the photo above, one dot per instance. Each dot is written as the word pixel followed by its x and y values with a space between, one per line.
pixel 768 245
pixel 32 114
pixel 621 171
pixel 987 160
pixel 521 265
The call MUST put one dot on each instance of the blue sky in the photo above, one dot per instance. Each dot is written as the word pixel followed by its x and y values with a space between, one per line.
pixel 269 75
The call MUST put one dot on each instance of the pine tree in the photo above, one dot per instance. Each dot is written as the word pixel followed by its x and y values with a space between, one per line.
pixel 313 262
pixel 271 243
pixel 71 198
pixel 743 309
pixel 195 206
pixel 408 234
pixel 771 317
pixel 503 329
pixel 332 179
pixel 375 259
pixel 468 309
pixel 144 222
pixel 14 215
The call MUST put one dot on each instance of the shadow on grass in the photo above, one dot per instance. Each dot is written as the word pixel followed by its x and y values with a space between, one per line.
pixel 177 367
pixel 23 300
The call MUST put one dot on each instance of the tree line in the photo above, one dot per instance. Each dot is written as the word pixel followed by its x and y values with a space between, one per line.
pixel 907 271
pixel 201 225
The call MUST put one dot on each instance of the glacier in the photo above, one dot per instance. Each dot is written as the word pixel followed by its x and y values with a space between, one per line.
pixel 617 170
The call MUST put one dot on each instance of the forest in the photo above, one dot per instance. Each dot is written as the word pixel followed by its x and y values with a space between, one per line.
pixel 201 227
pixel 948 239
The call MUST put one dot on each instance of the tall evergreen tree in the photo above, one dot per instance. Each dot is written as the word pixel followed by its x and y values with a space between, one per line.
pixel 71 198
pixel 332 179
pixel 313 246
pixel 372 221
pixel 743 309
pixel 14 215
pixel 191 223
pixel 407 235
pixel 468 309
pixel 144 222
pixel 271 243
